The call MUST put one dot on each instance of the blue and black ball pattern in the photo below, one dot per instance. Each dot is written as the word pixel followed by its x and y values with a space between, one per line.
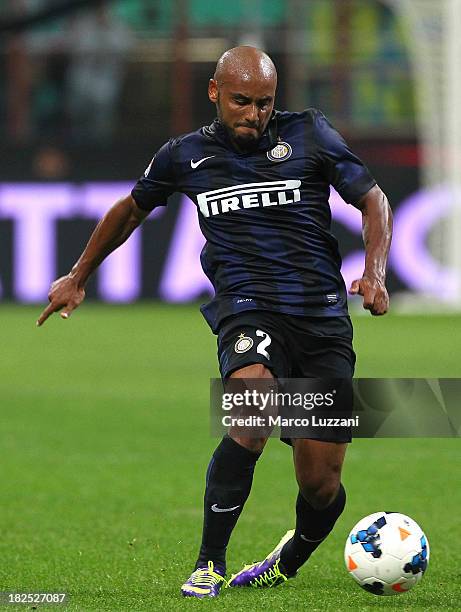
pixel 419 562
pixel 369 538
pixel 377 588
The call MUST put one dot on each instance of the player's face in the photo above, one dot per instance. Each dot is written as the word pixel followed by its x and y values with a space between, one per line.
pixel 244 107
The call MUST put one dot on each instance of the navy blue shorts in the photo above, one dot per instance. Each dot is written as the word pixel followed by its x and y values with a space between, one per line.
pixel 291 347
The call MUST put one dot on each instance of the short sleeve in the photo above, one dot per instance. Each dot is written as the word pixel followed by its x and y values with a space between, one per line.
pixel 158 181
pixel 343 169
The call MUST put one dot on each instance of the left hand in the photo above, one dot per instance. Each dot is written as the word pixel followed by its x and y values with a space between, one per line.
pixel 374 292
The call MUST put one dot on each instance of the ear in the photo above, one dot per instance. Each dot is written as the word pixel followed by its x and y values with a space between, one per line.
pixel 213 91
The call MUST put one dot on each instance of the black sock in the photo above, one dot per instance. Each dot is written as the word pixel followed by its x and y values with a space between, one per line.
pixel 228 484
pixel 312 527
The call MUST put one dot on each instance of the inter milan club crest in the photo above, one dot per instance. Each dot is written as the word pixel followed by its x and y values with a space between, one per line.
pixel 280 152
pixel 243 344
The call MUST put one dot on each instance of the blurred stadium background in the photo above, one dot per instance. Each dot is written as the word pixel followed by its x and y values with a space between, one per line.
pixel 90 90
pixel 93 410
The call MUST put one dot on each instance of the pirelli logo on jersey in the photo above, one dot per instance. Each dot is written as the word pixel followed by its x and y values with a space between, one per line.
pixel 249 195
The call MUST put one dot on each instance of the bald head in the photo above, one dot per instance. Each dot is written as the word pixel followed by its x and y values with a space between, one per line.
pixel 245 63
pixel 243 89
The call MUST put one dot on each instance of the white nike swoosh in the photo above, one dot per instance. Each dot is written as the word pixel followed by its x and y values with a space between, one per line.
pixel 215 508
pixel 303 537
pixel 197 163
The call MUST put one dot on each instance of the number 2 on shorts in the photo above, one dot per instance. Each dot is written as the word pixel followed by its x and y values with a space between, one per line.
pixel 265 342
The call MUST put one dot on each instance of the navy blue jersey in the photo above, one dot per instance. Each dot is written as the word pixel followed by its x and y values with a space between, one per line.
pixel 264 213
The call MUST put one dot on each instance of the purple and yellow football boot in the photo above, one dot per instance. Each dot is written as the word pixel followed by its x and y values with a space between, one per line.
pixel 203 582
pixel 264 574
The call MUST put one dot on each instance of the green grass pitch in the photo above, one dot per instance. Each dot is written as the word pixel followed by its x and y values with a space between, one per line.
pixel 104 444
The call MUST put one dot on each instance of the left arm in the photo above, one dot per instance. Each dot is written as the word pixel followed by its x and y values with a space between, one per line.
pixel 377 234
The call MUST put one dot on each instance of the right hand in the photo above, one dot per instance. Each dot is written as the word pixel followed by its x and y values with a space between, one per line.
pixel 64 294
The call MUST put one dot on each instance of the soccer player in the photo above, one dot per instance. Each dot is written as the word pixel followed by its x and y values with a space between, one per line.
pixel 261 180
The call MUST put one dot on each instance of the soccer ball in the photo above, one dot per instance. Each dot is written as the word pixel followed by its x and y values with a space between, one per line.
pixel 386 553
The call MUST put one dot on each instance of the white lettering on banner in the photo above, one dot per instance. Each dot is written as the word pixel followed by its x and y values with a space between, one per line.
pixel 183 278
pixel 119 276
pixel 35 208
pixel 249 195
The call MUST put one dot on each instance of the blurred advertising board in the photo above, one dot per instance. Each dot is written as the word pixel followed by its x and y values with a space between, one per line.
pixel 44 227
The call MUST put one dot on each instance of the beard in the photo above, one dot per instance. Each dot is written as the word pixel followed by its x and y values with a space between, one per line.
pixel 247 141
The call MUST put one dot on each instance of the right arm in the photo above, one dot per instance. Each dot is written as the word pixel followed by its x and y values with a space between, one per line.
pixel 115 227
